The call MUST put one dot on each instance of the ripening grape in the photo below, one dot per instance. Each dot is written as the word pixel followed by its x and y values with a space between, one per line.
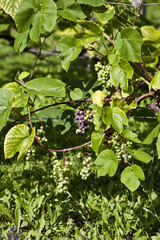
pixel 83 118
pixel 103 73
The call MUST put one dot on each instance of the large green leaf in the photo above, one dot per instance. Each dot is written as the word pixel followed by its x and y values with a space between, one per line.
pixel 127 133
pixel 106 15
pixel 86 38
pixel 128 43
pixel 107 163
pixel 6 101
pixel 70 10
pixel 33 15
pixel 76 94
pixel 91 27
pixel 20 97
pixel 18 139
pixel 131 175
pixel 153 134
pixel 119 119
pixel 96 138
pixel 155 83
pixel 10 6
pixel 70 49
pixel 119 77
pixel 142 156
pixel 47 87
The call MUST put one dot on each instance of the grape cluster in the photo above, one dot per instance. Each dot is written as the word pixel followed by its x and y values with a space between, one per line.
pixel 103 73
pixel 119 148
pixel 87 163
pixel 61 175
pixel 48 159
pixel 83 118
pixel 31 153
pixel 41 135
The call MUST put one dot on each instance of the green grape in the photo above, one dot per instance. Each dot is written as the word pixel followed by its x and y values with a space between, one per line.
pixel 103 74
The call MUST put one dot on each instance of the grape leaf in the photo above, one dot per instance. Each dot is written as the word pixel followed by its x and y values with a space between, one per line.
pixel 10 6
pixel 131 175
pixel 76 94
pixel 107 163
pixel 18 139
pixel 96 138
pixel 93 3
pixel 46 86
pixel 153 134
pixel 20 96
pixel 70 48
pixel 119 119
pixel 128 44
pixel 155 83
pixel 119 77
pixel 34 15
pixel 127 133
pixel 98 97
pixel 6 101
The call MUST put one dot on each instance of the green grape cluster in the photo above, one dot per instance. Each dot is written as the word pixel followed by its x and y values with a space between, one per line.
pixel 48 159
pixel 61 172
pixel 31 153
pixel 119 147
pixel 41 135
pixel 87 163
pixel 103 73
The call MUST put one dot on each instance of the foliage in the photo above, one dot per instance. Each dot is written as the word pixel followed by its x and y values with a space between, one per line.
pixel 72 195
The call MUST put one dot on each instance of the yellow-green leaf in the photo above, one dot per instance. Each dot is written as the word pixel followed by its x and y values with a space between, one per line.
pixel 18 139
pixel 10 6
pixel 98 97
pixel 20 97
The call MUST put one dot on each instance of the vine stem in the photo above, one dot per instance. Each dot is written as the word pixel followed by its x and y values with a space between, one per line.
pixel 106 36
pixel 69 149
pixel 137 13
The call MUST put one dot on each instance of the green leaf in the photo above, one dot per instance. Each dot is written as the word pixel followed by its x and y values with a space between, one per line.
pixel 20 96
pixel 35 15
pixel 107 116
pixel 127 133
pixel 131 175
pixel 91 27
pixel 124 64
pixel 70 10
pixel 119 119
pixel 76 94
pixel 70 49
pixel 10 6
pixel 153 134
pixel 155 83
pixel 128 44
pixel 105 16
pixel 96 138
pixel 142 156
pixel 47 87
pixel 98 97
pixel 119 77
pixel 93 3
pixel 150 33
pixel 6 101
pixel 107 163
pixel 158 146
pixel 18 139
pixel 86 38
pixel 23 75
pixel 21 41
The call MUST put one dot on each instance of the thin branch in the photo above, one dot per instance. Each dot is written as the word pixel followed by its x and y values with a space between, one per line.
pixel 69 149
pixel 144 71
pixel 104 45
pixel 110 39
pixel 146 95
pixel 137 13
